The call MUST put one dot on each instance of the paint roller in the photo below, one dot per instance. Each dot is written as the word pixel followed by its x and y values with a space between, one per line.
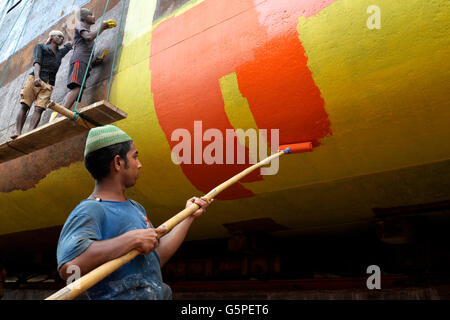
pixel 111 23
pixel 79 286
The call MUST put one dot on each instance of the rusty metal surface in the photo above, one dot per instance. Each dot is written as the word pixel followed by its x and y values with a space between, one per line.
pixel 26 172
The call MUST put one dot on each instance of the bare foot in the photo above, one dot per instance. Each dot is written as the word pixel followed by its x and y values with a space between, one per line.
pixel 14 136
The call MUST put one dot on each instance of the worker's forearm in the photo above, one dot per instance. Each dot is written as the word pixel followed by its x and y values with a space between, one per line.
pixel 37 70
pixel 93 34
pixel 68 36
pixel 170 243
pixel 100 252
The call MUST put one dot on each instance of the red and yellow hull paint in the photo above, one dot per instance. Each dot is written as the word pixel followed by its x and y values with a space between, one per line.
pixel 374 103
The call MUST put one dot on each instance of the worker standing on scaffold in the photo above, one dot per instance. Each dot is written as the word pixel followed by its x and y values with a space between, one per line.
pixel 39 84
pixel 84 40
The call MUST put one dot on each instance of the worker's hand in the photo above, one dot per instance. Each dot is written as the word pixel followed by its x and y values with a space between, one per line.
pixel 97 61
pixel 202 202
pixel 111 23
pixel 146 239
pixel 37 82
pixel 105 25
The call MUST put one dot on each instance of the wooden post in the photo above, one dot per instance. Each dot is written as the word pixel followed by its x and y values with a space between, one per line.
pixel 69 114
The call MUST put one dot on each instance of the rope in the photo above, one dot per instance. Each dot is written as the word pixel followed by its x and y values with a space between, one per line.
pixel 18 40
pixel 76 115
pixel 115 49
pixel 89 63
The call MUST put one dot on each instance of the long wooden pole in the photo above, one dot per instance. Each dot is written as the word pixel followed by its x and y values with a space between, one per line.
pixel 77 287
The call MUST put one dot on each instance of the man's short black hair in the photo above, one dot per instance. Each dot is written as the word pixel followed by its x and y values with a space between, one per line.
pixel 98 162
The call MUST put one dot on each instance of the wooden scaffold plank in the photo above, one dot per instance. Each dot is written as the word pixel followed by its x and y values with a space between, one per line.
pixel 60 129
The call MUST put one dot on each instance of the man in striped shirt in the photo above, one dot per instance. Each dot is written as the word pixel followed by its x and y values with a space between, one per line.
pixel 83 45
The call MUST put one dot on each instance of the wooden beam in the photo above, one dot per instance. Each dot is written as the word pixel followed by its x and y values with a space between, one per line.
pixel 60 129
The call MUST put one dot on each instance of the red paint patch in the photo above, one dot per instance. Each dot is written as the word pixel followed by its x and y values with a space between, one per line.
pixel 191 52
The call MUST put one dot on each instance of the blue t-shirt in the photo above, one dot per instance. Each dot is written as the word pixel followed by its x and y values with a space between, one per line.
pixel 139 279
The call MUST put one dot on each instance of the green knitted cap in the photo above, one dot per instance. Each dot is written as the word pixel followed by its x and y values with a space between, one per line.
pixel 104 136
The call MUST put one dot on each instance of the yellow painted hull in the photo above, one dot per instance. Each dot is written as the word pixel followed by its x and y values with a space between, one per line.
pixel 383 94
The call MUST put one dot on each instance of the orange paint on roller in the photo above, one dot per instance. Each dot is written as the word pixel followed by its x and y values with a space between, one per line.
pixel 296 147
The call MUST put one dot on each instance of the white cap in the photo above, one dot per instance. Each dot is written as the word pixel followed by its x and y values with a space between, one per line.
pixel 56 33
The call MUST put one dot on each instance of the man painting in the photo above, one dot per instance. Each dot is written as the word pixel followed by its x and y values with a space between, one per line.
pixel 108 225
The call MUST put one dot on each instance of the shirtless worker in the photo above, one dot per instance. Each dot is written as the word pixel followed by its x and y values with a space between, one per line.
pixel 83 40
pixel 39 84
pixel 108 225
